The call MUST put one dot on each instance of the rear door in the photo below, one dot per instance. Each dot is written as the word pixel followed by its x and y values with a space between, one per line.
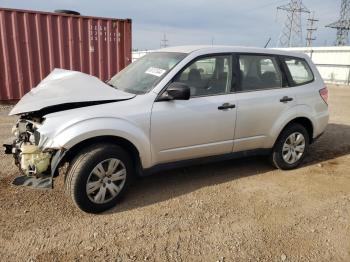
pixel 262 98
pixel 303 81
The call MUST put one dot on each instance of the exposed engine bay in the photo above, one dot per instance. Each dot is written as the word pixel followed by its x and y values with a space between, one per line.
pixel 33 163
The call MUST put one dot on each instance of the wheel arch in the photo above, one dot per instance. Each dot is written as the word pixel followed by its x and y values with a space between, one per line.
pixel 106 139
pixel 305 122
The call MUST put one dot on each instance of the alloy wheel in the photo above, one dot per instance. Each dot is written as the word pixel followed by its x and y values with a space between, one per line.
pixel 293 148
pixel 106 181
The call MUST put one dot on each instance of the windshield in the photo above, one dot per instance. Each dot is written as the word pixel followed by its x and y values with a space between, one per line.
pixel 143 74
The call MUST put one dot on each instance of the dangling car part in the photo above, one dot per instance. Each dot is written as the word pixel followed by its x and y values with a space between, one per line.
pixel 33 163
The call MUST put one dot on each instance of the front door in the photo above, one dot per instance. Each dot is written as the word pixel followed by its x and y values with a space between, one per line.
pixel 204 124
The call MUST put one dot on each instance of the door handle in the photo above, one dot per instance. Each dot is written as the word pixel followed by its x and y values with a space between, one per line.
pixel 226 106
pixel 286 99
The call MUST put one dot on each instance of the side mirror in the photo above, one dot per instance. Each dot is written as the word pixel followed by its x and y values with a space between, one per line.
pixel 175 91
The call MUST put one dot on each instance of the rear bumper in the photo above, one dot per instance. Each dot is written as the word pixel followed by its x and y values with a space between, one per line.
pixel 317 137
pixel 320 124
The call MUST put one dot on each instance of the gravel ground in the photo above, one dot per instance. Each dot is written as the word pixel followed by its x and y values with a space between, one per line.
pixel 241 210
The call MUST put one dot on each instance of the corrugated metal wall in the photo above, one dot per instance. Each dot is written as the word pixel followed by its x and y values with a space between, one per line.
pixel 33 43
pixel 333 63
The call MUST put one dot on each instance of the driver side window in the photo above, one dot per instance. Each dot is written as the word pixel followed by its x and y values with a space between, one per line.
pixel 207 76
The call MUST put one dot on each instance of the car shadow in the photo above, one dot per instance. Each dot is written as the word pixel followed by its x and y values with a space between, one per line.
pixel 170 184
pixel 334 143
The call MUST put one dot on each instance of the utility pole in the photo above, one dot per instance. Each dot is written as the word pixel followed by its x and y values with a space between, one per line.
pixel 291 34
pixel 343 24
pixel 164 42
pixel 311 29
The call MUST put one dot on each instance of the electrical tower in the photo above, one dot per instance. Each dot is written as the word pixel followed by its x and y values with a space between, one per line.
pixel 343 24
pixel 291 34
pixel 311 29
pixel 164 42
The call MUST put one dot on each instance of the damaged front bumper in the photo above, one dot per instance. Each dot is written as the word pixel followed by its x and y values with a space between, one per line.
pixel 37 166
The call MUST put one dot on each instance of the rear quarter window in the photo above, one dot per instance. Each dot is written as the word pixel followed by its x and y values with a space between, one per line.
pixel 299 70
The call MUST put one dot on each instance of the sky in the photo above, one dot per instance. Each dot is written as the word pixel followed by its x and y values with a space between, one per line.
pixel 187 22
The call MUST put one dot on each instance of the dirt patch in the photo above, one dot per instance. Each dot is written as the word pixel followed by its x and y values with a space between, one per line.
pixel 241 210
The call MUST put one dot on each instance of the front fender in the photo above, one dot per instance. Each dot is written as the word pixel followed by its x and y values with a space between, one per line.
pixel 74 133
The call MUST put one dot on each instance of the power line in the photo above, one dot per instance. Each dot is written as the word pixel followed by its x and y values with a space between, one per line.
pixel 291 34
pixel 311 29
pixel 164 42
pixel 263 6
pixel 343 24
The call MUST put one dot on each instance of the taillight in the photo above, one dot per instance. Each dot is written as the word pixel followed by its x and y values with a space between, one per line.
pixel 324 94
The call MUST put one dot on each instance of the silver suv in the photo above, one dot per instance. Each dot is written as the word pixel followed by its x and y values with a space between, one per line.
pixel 171 106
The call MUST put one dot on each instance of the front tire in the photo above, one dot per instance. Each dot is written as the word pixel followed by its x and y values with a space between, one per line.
pixel 291 147
pixel 99 177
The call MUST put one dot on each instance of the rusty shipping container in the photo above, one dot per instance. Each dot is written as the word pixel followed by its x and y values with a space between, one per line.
pixel 33 43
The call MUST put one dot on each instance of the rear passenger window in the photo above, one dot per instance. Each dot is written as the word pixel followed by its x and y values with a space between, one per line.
pixel 259 72
pixel 299 70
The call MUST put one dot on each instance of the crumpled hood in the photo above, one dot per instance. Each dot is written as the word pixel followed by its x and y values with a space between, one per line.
pixel 65 87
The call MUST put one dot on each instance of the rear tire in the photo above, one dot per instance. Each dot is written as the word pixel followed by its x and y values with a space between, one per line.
pixel 99 177
pixel 291 147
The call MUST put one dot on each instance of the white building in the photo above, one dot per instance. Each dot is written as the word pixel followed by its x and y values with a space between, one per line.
pixel 332 62
pixel 138 54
